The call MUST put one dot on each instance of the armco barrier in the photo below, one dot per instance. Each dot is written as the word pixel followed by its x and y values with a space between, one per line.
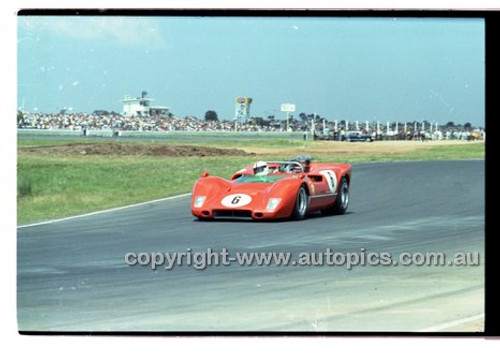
pixel 166 135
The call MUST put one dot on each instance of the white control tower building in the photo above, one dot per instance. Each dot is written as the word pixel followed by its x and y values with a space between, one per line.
pixel 142 107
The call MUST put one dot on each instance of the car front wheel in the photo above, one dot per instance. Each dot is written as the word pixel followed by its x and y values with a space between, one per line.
pixel 301 202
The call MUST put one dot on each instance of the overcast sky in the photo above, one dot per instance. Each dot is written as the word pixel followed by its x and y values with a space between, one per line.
pixel 341 68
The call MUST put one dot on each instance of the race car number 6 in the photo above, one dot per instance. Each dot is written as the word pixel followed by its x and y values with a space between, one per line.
pixel 236 200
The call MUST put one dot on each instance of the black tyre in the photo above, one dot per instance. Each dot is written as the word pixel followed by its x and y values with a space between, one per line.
pixel 301 203
pixel 342 202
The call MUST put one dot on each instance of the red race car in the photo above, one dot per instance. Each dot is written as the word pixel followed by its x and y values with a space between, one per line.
pixel 274 190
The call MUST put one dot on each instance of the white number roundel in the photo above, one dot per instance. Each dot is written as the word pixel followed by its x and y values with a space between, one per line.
pixel 236 200
pixel 331 179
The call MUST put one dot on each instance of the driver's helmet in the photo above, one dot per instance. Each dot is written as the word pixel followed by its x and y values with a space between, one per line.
pixel 260 168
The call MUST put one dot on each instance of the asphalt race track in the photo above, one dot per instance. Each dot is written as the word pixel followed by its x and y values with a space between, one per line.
pixel 72 274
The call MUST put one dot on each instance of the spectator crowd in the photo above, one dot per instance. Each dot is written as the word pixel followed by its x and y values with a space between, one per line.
pixel 321 128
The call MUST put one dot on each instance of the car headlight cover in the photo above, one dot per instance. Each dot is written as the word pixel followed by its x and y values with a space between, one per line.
pixel 273 203
pixel 199 200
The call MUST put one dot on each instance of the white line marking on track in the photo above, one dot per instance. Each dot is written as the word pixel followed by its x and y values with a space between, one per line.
pixel 447 325
pixel 103 211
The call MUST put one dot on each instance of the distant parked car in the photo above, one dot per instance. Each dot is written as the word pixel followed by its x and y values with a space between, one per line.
pixel 357 136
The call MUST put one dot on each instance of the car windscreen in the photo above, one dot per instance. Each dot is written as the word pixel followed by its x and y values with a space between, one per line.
pixel 259 178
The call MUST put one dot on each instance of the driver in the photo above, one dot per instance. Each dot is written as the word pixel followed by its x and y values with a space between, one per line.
pixel 260 168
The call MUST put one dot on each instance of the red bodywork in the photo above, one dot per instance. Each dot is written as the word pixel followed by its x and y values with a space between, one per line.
pixel 233 199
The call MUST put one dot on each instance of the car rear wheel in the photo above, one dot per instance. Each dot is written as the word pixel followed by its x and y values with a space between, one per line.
pixel 342 201
pixel 301 202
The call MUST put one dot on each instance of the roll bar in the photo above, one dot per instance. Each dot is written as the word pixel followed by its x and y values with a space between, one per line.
pixel 295 163
pixel 288 165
